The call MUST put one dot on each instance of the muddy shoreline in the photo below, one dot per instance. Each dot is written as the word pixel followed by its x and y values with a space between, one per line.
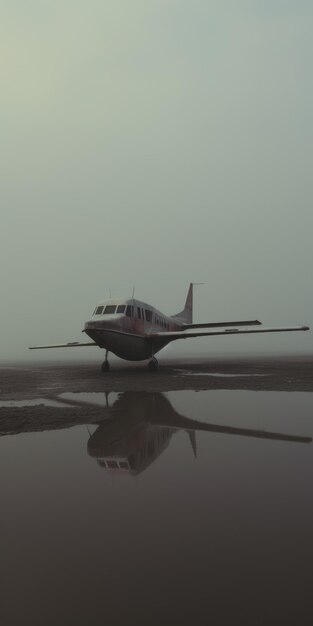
pixel 27 382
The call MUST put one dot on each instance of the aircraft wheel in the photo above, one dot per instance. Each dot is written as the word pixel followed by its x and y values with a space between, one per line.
pixel 105 367
pixel 153 365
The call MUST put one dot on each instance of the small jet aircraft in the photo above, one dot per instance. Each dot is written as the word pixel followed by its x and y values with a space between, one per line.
pixel 136 331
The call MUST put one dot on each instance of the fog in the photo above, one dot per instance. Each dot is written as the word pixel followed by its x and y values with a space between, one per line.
pixel 148 144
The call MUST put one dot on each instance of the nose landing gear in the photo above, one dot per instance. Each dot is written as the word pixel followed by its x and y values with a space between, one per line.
pixel 105 367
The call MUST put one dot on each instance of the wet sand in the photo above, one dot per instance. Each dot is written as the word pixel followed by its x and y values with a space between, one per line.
pixel 271 373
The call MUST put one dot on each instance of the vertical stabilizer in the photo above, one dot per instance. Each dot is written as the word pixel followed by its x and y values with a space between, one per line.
pixel 192 437
pixel 186 314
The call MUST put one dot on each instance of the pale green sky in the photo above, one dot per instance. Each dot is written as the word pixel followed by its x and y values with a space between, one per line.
pixel 151 143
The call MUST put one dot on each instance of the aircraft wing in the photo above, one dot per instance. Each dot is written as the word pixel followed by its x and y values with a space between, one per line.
pixel 243 432
pixel 185 334
pixel 222 324
pixel 73 344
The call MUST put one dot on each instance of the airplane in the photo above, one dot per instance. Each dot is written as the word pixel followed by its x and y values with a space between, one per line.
pixel 135 331
pixel 139 426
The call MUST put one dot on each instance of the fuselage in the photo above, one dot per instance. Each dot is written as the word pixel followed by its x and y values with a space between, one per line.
pixel 131 329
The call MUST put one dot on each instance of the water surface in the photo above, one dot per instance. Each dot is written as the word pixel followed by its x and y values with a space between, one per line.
pixel 177 508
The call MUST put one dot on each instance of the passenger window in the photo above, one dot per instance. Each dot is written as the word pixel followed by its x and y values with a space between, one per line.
pixel 148 315
pixel 139 312
pixel 99 310
pixel 110 308
pixel 121 308
pixel 129 310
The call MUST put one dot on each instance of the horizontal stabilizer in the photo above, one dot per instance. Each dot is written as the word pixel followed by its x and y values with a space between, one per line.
pixel 73 344
pixel 222 324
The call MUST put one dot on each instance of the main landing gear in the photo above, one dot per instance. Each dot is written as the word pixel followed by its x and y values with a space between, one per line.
pixel 105 367
pixel 153 364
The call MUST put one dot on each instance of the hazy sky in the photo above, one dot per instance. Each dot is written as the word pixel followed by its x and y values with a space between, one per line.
pixel 150 143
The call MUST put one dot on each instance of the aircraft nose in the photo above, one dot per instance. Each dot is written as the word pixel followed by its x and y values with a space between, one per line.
pixel 108 322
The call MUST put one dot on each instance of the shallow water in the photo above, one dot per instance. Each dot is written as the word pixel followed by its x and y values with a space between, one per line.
pixel 218 374
pixel 178 508
pixel 11 404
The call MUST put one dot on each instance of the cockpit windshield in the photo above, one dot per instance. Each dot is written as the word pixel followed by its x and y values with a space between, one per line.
pixel 109 309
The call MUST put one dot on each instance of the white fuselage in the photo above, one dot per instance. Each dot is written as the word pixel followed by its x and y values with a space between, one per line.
pixel 127 328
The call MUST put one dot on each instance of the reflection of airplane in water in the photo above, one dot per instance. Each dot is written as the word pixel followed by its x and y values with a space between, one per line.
pixel 140 426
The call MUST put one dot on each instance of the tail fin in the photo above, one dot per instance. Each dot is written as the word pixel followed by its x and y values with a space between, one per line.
pixel 186 314
pixel 193 441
